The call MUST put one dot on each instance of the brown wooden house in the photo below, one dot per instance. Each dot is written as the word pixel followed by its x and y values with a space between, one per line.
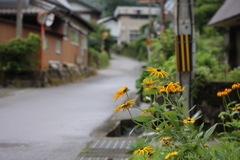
pixel 65 41
pixel 228 16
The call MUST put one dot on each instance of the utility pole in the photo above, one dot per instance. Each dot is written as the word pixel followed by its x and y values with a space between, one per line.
pixel 185 47
pixel 163 15
pixel 19 19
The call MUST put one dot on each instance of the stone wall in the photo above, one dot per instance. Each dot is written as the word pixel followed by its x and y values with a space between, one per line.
pixel 50 77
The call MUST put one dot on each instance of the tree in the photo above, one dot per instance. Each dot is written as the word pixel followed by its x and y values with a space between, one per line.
pixel 204 11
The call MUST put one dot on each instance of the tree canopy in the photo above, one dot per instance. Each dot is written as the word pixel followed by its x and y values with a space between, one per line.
pixel 204 11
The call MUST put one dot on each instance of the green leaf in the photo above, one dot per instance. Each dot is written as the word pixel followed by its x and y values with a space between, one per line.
pixel 192 108
pixel 160 126
pixel 134 129
pixel 163 106
pixel 235 112
pixel 155 104
pixel 198 117
pixel 151 91
pixel 201 127
pixel 143 118
pixel 209 133
pixel 199 134
pixel 183 109
pixel 173 118
pixel 222 114
pixel 233 102
pixel 220 155
pixel 182 99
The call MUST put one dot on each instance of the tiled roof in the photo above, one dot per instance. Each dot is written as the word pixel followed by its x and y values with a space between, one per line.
pixel 34 7
pixel 230 9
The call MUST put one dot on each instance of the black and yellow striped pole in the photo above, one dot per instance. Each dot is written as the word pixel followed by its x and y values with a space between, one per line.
pixel 185 46
pixel 183 53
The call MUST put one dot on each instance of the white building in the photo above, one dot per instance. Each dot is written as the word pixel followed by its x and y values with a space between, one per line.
pixel 110 23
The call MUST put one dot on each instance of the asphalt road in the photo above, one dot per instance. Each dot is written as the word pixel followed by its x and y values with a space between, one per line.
pixel 55 123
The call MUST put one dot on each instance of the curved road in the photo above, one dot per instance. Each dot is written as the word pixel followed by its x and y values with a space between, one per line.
pixel 55 123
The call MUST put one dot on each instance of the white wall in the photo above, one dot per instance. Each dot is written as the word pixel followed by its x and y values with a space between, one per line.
pixel 113 26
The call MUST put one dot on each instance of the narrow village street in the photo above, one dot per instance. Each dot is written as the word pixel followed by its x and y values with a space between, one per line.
pixel 55 123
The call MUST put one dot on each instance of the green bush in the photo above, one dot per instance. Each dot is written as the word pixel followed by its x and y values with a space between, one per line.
pixel 103 59
pixel 97 45
pixel 17 54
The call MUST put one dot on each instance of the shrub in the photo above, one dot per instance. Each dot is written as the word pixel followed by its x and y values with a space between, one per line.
pixel 17 54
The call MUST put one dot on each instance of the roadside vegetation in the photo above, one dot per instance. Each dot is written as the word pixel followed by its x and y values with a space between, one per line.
pixel 100 42
pixel 169 134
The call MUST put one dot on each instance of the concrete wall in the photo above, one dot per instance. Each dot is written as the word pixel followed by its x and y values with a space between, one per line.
pixel 126 24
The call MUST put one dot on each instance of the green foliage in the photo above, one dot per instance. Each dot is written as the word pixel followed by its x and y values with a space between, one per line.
pixel 168 124
pixel 204 11
pixel 197 84
pixel 97 45
pixel 136 49
pixel 233 75
pixel 228 145
pixel 139 143
pixel 103 60
pixel 17 54
pixel 162 57
pixel 98 59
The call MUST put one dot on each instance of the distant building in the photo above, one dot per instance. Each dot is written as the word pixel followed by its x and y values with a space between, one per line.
pixel 85 10
pixel 131 18
pixel 228 15
pixel 110 23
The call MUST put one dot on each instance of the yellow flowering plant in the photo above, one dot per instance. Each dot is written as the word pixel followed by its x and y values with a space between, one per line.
pixel 230 116
pixel 168 122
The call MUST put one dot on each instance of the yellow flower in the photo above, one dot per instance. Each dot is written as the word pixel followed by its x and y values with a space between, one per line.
pixel 206 145
pixel 224 92
pixel 149 154
pixel 171 154
pixel 189 120
pixel 150 87
pixel 169 143
pixel 164 139
pixel 157 129
pixel 228 90
pixel 157 72
pixel 236 85
pixel 142 150
pixel 125 106
pixel 120 92
pixel 171 126
pixel 148 81
pixel 171 87
pixel 235 108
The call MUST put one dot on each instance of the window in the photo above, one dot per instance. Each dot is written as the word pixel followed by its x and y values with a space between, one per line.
pixel 134 34
pixel 84 44
pixel 58 47
pixel 65 30
pixel 74 37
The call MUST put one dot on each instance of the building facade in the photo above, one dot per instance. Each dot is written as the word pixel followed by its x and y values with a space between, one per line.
pixel 130 19
pixel 65 40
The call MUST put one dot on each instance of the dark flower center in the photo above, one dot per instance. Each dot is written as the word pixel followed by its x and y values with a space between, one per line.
pixel 159 70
